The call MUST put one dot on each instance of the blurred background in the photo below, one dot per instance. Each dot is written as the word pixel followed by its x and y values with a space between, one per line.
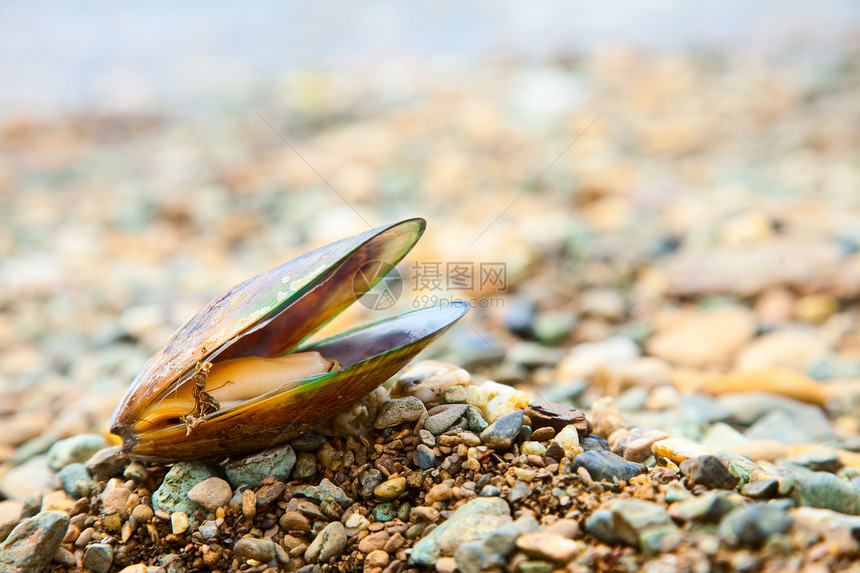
pixel 623 163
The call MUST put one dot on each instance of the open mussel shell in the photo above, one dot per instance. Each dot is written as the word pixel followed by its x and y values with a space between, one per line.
pixel 270 316
pixel 370 355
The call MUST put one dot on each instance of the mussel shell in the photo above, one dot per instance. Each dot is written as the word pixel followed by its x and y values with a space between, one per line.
pixel 370 356
pixel 268 315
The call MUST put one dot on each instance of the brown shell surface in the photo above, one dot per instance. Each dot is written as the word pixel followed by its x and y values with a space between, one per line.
pixel 268 315
pixel 370 356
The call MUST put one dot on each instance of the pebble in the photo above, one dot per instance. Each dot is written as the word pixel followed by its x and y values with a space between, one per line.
pixel 305 468
pixel 710 507
pixel 455 395
pixel 428 381
pixel 635 444
pixel 10 514
pixel 399 411
pixel 32 476
pixel 262 550
pixel 495 400
pixel 551 546
pixel 142 513
pixel 644 524
pixel 703 338
pixel 605 417
pixel 472 521
pixel 762 489
pixel 252 470
pixel 583 360
pixel 750 526
pixel 602 465
pixel 425 456
pixel 557 417
pixel 327 491
pixel 476 421
pixel 384 512
pixel 328 544
pixel 33 542
pixel 821 490
pixel 391 488
pixel 776 381
pixel 819 460
pixel 172 495
pixel 441 422
pixel 106 463
pixel 178 522
pixel 76 480
pixel 211 493
pixel 309 442
pixel 78 448
pixel 599 524
pixel 811 426
pixel 500 434
pixel 710 472
pixel 209 530
pixel 98 557
pixel 679 450
pixel 568 440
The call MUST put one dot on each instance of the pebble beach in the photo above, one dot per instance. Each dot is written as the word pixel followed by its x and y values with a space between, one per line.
pixel 667 379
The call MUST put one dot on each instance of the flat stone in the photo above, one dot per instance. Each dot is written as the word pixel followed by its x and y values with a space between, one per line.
pixel 262 550
pixel 327 491
pixel 823 460
pixel 33 542
pixel 75 449
pixel 98 557
pixel 551 546
pixel 398 411
pixel 328 544
pixel 822 490
pixel 679 450
pixel 762 489
pixel 211 493
pixel 252 470
pixel 635 444
pixel 501 433
pixel 172 495
pixel 439 423
pixel 557 416
pixel 785 428
pixel 750 526
pixel 602 465
pixel 470 522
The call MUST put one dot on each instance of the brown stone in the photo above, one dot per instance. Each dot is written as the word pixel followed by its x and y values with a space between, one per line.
pixel 557 416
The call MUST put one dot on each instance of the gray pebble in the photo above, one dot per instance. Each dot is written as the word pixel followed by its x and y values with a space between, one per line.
pixel 172 495
pixel 810 425
pixel 603 465
pixel 470 522
pixel 33 542
pixel 520 491
pixel 209 530
pixel 490 491
pixel 369 479
pixel 750 526
pixel 328 544
pixel 762 489
pixel 426 457
pixel 599 524
pixel 398 411
pixel 75 449
pixel 427 438
pixel 98 557
pixel 135 471
pixel 76 480
pixel 710 472
pixel 261 550
pixel 252 470
pixel 823 490
pixel 824 460
pixel 708 507
pixel 106 463
pixel 455 395
pixel 633 519
pixel 439 423
pixel 327 491
pixel 501 433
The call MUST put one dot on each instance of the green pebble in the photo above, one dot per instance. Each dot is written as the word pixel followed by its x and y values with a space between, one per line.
pixel 384 512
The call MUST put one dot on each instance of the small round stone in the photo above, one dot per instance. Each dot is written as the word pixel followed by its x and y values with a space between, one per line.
pixel 261 550
pixel 426 457
pixel 328 544
pixel 211 493
pixel 391 488
pixel 142 513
